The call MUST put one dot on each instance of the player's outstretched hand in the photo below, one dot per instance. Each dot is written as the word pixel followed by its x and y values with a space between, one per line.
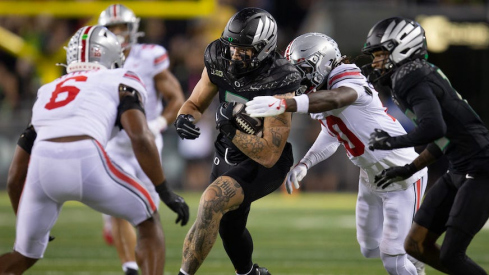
pixel 176 203
pixel 186 128
pixel 294 176
pixel 263 106
pixel 379 139
pixel 393 174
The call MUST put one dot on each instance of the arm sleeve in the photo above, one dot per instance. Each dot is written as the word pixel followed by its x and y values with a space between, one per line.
pixel 324 146
pixel 429 118
pixel 27 138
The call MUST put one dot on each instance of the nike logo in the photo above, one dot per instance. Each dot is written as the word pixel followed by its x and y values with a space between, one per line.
pixel 270 105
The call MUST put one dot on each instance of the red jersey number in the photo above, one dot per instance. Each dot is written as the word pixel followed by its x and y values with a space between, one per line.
pixel 71 91
pixel 352 144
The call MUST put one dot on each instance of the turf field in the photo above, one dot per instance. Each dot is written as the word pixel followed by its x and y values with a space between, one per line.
pixel 302 234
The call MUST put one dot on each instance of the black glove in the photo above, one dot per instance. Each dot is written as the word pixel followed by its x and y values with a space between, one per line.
pixel 186 127
pixel 379 139
pixel 393 174
pixel 224 115
pixel 174 202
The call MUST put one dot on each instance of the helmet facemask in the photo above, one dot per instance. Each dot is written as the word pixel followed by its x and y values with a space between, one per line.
pixel 314 55
pixel 403 39
pixel 254 31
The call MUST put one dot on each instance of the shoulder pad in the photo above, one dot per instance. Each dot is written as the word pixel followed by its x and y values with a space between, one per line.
pixel 409 74
pixel 212 56
pixel 281 78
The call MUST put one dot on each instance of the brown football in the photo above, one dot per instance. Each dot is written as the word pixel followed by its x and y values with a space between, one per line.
pixel 245 123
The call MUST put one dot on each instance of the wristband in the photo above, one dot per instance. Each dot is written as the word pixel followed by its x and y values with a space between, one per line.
pixel 302 103
pixel 162 123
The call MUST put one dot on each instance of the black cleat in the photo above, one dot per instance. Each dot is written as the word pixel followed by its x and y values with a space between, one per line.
pixel 131 271
pixel 260 270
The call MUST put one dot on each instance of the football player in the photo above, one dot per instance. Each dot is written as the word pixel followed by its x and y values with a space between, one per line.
pixel 348 108
pixel 240 65
pixel 151 63
pixel 74 117
pixel 457 204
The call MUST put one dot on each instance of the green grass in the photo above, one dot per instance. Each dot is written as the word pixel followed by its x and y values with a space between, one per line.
pixel 304 234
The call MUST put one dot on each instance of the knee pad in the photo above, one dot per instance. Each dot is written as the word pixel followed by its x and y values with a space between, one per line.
pixel 398 264
pixel 370 253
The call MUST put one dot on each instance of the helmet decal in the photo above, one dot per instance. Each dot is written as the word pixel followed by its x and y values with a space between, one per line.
pixel 93 47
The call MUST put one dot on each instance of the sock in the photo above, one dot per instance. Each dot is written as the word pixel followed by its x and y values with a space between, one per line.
pixel 132 265
pixel 182 272
pixel 249 272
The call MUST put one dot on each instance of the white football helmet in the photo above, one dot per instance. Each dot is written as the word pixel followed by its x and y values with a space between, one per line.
pixel 314 55
pixel 120 14
pixel 93 48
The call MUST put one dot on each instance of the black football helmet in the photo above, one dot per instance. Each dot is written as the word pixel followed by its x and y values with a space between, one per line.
pixel 403 38
pixel 250 28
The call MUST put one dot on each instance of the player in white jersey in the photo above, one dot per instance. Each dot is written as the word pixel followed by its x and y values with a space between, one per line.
pixel 74 117
pixel 348 109
pixel 151 63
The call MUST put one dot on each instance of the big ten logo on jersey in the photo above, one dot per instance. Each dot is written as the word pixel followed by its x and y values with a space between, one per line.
pixel 353 145
pixel 63 95
pixel 217 72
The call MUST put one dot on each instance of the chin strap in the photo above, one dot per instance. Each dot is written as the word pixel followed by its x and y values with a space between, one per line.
pixel 84 66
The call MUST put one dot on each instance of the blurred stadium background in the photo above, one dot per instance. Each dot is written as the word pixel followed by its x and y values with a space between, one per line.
pixel 32 36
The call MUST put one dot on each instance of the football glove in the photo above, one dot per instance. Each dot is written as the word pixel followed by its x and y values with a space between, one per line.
pixel 294 176
pixel 157 125
pixel 224 115
pixel 393 174
pixel 186 128
pixel 379 139
pixel 263 106
pixel 176 203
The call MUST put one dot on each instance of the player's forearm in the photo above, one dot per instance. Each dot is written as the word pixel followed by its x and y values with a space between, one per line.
pixel 15 185
pixel 427 157
pixel 322 101
pixel 267 149
pixel 190 108
pixel 148 157
pixel 262 150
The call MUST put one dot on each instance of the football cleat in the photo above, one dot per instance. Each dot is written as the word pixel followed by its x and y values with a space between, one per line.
pixel 131 271
pixel 256 270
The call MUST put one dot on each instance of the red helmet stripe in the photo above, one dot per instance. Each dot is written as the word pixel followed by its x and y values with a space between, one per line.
pixel 114 10
pixel 84 38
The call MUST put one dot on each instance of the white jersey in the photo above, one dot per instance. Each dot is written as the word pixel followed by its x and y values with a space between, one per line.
pixel 147 60
pixel 352 125
pixel 82 103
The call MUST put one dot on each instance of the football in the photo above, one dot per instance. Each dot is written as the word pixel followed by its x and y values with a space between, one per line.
pixel 245 123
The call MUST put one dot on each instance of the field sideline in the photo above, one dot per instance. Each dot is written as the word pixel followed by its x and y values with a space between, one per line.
pixel 306 234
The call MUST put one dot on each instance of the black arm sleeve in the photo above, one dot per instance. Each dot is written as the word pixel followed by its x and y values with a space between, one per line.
pixel 129 99
pixel 429 118
pixel 27 138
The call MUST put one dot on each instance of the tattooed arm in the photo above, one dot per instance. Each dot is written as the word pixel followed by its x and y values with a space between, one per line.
pixel 267 149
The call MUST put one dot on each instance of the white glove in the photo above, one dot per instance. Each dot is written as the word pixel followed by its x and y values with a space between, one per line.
pixel 262 106
pixel 294 176
pixel 157 125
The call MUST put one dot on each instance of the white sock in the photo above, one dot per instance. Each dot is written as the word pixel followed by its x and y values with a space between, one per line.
pixel 183 272
pixel 132 265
